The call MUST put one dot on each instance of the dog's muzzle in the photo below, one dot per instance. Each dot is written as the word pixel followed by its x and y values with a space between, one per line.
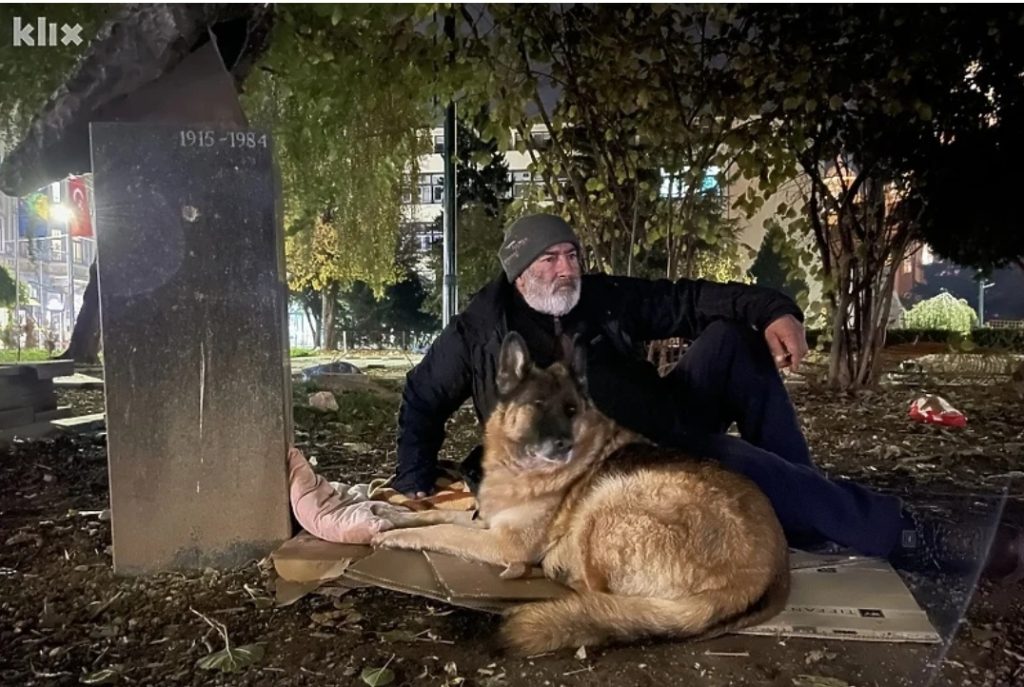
pixel 554 450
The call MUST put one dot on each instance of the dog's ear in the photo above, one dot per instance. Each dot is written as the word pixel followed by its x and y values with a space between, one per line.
pixel 513 363
pixel 578 362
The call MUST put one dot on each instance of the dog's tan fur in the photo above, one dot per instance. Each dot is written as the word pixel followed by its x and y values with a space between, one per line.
pixel 653 542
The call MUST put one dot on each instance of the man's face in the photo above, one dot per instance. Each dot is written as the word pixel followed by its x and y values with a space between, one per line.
pixel 551 284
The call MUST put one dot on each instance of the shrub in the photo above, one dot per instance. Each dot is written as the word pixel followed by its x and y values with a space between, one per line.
pixel 1008 339
pixel 982 338
pixel 944 312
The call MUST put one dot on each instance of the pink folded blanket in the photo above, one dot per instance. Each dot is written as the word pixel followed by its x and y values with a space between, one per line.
pixel 352 514
pixel 327 513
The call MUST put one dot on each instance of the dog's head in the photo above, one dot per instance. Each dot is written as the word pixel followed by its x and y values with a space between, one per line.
pixel 540 411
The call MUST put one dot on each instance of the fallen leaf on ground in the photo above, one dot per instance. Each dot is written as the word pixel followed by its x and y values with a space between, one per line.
pixel 818 681
pixel 232 660
pixel 376 677
pixel 398 636
pixel 106 676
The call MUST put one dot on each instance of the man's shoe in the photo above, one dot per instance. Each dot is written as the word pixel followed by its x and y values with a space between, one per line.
pixel 931 545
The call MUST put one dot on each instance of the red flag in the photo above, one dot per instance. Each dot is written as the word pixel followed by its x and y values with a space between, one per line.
pixel 81 222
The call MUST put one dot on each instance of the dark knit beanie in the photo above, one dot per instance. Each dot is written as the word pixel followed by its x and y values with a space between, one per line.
pixel 528 237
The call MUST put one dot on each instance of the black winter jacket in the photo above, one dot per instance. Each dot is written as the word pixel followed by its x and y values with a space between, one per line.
pixel 615 316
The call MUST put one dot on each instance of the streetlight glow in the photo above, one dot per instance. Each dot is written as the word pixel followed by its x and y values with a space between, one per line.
pixel 61 213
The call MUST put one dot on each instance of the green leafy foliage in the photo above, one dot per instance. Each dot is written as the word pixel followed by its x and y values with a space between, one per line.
pixel 867 114
pixel 777 265
pixel 483 200
pixel 479 237
pixel 8 289
pixel 642 107
pixel 347 92
pixel 1005 339
pixel 968 208
pixel 481 169
pixel 31 74
pixel 399 308
pixel 943 312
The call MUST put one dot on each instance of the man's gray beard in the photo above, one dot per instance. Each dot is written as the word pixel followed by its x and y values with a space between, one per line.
pixel 558 303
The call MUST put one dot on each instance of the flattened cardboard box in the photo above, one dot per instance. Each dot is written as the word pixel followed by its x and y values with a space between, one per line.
pixel 832 596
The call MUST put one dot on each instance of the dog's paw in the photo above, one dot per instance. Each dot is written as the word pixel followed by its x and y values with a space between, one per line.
pixel 396 539
pixel 514 571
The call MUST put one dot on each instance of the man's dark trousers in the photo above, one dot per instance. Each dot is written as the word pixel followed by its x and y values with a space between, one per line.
pixel 727 374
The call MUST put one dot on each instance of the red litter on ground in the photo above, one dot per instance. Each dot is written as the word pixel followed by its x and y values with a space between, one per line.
pixel 936 410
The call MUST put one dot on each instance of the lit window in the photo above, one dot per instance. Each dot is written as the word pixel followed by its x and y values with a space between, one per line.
pixel 676 188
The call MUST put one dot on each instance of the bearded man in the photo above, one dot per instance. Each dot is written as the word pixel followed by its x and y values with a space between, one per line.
pixel 741 337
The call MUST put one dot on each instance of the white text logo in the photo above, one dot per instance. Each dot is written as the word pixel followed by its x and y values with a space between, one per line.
pixel 44 33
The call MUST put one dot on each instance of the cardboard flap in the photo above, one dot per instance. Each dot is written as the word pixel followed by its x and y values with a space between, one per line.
pixel 808 560
pixel 404 571
pixel 848 624
pixel 467 580
pixel 304 558
pixel 850 598
pixel 862 586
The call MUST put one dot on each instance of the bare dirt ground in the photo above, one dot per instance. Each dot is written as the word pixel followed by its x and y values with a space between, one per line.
pixel 66 620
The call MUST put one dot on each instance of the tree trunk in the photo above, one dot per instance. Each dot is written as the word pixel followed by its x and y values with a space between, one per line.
pixel 85 339
pixel 878 318
pixel 838 372
pixel 864 281
pixel 314 326
pixel 328 300
pixel 857 320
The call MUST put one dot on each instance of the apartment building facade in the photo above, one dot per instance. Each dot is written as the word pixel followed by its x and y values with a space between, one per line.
pixel 48 259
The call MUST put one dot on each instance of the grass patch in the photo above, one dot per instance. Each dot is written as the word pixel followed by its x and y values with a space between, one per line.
pixel 363 412
pixel 10 355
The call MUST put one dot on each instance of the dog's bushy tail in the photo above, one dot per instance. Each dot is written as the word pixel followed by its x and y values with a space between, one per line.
pixel 589 619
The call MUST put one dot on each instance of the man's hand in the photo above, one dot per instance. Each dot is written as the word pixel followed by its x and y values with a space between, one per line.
pixel 787 342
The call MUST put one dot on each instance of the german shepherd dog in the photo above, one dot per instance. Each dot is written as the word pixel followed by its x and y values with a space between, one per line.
pixel 653 542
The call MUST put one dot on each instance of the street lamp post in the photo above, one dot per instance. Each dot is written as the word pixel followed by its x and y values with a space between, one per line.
pixel 983 285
